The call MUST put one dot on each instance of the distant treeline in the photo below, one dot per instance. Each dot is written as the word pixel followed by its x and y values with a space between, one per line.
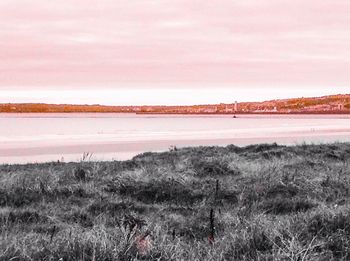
pixel 325 104
pixel 31 107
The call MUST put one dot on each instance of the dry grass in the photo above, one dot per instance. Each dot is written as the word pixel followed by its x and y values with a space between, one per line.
pixel 269 202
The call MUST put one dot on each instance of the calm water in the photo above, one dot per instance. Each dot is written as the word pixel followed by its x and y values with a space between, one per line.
pixel 44 137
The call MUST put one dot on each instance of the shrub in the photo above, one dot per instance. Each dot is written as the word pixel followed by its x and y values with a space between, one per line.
pixel 19 196
pixel 324 225
pixel 335 189
pixel 339 245
pixel 260 147
pixel 80 174
pixel 255 244
pixel 114 208
pixel 279 190
pixel 160 191
pixel 281 206
pixel 213 168
pixel 21 216
pixel 80 217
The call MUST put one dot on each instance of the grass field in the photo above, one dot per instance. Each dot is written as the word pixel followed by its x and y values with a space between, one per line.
pixel 261 202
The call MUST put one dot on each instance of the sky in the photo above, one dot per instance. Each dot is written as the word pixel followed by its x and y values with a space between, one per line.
pixel 172 51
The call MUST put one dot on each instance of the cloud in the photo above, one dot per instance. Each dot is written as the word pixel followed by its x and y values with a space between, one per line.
pixel 115 43
pixel 139 95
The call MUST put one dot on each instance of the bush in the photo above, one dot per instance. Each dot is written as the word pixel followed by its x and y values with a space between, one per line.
pixel 80 217
pixel 325 225
pixel 161 191
pixel 281 206
pixel 251 248
pixel 114 208
pixel 19 196
pixel 260 147
pixel 279 190
pixel 21 216
pixel 213 168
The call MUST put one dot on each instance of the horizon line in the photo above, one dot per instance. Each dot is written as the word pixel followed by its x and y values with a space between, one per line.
pixel 163 105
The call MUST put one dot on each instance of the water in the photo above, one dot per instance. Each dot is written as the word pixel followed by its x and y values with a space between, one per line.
pixel 45 137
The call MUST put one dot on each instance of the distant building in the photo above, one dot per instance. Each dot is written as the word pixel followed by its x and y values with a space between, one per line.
pixel 210 110
pixel 228 109
pixel 340 107
pixel 236 106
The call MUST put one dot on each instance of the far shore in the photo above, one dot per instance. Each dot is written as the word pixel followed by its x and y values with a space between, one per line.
pixel 190 113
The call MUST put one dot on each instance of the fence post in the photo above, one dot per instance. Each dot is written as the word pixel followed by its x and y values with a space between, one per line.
pixel 217 187
pixel 174 234
pixel 52 233
pixel 212 227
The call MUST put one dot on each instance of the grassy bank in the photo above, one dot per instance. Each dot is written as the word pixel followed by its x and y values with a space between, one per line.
pixel 261 202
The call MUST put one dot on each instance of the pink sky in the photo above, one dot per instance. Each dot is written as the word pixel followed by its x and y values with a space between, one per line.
pixel 109 51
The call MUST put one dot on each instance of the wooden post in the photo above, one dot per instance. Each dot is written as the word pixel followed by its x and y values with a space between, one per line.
pixel 42 187
pixel 174 234
pixel 217 187
pixel 52 233
pixel 212 227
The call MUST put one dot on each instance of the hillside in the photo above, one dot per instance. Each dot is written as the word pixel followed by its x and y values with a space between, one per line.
pixel 326 104
pixel 260 202
pixel 331 103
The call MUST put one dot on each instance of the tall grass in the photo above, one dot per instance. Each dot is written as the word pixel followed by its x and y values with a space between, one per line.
pixel 261 202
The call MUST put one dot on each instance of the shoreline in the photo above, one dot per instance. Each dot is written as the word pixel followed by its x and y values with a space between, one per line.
pixel 122 137
pixel 128 150
pixel 191 113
